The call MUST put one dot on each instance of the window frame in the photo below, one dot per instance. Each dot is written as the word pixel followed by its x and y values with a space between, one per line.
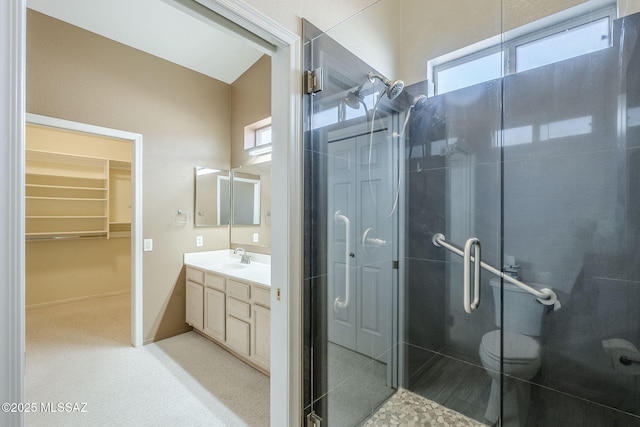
pixel 508 42
pixel 259 132
pixel 250 138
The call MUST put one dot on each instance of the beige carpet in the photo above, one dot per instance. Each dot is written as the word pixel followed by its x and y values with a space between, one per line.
pixel 79 353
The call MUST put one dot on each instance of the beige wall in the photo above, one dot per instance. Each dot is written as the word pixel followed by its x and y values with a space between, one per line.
pixel 398 36
pixel 183 117
pixel 251 102
pixel 628 7
pixel 63 141
pixel 69 270
pixel 324 14
pixel 374 35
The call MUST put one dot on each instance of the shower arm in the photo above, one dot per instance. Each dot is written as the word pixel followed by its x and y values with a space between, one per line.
pixel 545 296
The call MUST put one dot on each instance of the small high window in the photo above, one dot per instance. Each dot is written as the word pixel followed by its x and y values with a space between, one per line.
pixel 257 137
pixel 565 44
pixel 537 47
pixel 263 136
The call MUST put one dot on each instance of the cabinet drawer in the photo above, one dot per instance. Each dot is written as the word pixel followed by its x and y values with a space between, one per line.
pixel 238 335
pixel 213 281
pixel 195 275
pixel 262 297
pixel 238 309
pixel 238 290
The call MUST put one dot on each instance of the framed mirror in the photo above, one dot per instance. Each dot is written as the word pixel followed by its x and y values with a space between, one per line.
pixel 212 197
pixel 246 199
pixel 251 189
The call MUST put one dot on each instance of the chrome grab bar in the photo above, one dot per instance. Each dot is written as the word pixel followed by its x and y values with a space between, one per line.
pixel 373 242
pixel 339 304
pixel 471 244
pixel 545 295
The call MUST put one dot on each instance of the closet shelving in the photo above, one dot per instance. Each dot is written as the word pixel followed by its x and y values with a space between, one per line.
pixel 68 196
pixel 119 198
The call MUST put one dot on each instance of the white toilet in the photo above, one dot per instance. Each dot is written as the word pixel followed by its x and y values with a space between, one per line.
pixel 521 354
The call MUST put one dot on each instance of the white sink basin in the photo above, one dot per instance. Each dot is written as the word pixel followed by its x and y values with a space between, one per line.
pixel 229 266
pixel 256 272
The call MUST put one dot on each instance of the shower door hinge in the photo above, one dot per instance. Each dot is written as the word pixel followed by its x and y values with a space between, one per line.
pixel 313 80
pixel 396 264
pixel 313 420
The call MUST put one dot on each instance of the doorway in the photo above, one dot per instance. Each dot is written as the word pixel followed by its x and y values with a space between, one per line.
pixel 286 211
pixel 125 207
pixel 361 243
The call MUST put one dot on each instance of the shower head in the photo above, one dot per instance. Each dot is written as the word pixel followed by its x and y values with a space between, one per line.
pixel 394 88
pixel 353 99
pixel 419 102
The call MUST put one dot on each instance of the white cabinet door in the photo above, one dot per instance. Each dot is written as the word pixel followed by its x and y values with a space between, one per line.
pixel 261 336
pixel 238 335
pixel 214 313
pixel 195 305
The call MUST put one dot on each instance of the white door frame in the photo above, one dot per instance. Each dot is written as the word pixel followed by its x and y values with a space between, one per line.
pixel 286 311
pixel 136 208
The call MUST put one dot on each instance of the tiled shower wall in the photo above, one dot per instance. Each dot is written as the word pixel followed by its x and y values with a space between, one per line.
pixel 558 189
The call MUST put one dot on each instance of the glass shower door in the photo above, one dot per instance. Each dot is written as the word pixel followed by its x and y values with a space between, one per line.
pixel 387 335
pixel 570 200
pixel 539 165
pixel 453 189
pixel 353 214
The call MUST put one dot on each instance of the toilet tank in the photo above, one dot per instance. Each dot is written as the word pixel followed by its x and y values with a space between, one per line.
pixel 522 311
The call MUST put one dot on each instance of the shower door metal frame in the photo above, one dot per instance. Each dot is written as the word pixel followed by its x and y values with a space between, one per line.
pixel 316 340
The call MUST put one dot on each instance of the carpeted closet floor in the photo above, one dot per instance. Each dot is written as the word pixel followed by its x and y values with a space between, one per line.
pixel 79 355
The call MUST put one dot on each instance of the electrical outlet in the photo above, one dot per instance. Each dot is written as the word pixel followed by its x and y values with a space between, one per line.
pixel 148 245
pixel 199 241
pixel 255 238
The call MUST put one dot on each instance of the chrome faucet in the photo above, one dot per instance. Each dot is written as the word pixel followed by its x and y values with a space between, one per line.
pixel 244 258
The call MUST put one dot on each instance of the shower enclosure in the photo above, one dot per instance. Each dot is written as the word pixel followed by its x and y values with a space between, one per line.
pixel 503 142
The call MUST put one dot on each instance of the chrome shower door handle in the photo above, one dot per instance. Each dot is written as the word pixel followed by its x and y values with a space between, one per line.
pixel 472 244
pixel 339 303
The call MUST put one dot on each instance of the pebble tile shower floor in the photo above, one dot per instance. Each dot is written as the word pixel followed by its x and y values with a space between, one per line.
pixel 408 409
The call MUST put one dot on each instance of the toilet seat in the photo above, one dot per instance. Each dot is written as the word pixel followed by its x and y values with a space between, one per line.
pixel 518 348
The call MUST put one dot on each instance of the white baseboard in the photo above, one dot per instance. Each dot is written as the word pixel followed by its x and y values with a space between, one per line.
pixel 88 297
pixel 164 337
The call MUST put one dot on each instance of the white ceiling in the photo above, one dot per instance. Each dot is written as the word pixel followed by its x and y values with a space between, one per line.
pixel 160 29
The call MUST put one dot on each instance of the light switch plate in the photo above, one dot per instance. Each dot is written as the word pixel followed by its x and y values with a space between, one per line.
pixel 199 241
pixel 148 245
pixel 255 238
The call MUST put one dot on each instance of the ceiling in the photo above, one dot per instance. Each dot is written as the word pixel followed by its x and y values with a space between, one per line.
pixel 160 29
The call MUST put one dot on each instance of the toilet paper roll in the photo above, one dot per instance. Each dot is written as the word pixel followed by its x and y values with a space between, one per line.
pixel 617 348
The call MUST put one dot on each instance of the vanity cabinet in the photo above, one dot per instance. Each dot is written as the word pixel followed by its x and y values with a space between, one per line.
pixel 214 304
pixel 234 313
pixel 195 304
pixel 261 336
pixel 214 314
